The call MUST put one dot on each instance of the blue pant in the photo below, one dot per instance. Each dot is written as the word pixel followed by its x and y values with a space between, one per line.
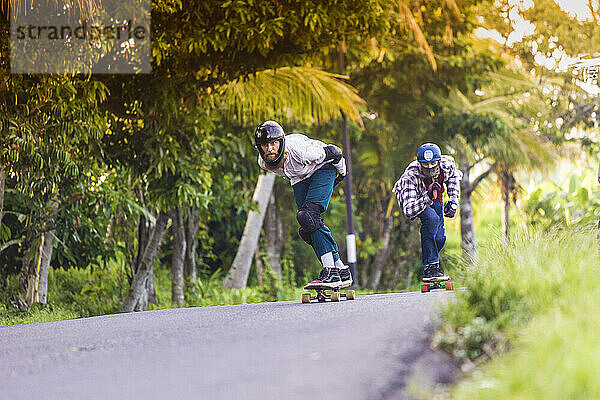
pixel 318 189
pixel 433 234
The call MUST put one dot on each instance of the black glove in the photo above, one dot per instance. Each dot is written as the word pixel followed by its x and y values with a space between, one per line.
pixel 434 191
pixel 332 153
pixel 450 209
pixel 338 179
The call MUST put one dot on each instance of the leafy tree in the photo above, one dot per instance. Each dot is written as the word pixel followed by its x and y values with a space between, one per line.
pixel 547 52
pixel 398 85
pixel 50 128
pixel 197 50
pixel 489 132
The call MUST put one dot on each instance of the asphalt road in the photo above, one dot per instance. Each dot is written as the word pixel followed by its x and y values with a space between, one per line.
pixel 369 348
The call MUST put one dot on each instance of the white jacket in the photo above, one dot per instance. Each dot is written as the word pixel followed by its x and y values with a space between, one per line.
pixel 303 157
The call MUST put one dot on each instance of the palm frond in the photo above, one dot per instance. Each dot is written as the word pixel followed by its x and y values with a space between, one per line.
pixel 413 26
pixel 452 6
pixel 539 153
pixel 516 80
pixel 301 93
pixel 521 147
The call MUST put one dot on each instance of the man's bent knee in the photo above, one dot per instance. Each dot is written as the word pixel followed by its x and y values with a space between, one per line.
pixel 305 236
pixel 309 217
pixel 441 242
pixel 429 221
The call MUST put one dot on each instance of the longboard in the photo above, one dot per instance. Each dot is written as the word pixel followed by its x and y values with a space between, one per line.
pixel 322 296
pixel 429 286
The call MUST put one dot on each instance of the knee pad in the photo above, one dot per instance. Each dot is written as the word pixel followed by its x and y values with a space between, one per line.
pixel 309 217
pixel 305 236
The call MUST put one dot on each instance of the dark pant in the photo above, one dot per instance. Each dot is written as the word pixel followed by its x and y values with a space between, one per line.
pixel 318 189
pixel 433 234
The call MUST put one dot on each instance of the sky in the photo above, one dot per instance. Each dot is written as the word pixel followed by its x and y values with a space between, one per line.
pixel 577 7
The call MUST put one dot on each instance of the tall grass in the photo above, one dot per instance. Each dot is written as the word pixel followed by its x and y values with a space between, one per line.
pixel 539 297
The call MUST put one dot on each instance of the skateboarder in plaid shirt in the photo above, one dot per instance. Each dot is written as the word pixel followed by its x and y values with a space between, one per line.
pixel 313 169
pixel 420 194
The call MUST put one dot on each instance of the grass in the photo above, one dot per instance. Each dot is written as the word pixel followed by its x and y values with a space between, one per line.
pixel 537 298
pixel 10 315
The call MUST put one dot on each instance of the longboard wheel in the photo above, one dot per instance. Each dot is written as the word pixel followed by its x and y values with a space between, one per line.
pixel 349 294
pixel 335 296
pixel 424 288
pixel 306 297
pixel 449 285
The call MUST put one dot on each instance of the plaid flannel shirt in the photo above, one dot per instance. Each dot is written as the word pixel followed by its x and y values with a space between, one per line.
pixel 411 191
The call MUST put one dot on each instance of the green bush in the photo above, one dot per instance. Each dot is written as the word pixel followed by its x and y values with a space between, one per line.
pixel 72 293
pixel 88 292
pixel 555 205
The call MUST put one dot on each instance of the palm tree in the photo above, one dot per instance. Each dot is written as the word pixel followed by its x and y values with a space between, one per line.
pixel 490 133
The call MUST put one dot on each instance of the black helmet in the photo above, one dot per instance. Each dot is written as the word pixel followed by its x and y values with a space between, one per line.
pixel 267 132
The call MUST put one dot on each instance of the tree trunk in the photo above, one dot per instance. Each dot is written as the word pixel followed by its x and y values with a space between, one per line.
pixel 508 186
pixel 506 217
pixel 260 267
pixel 237 276
pixel 382 253
pixel 29 278
pixel 150 289
pixel 273 235
pixel 3 281
pixel 137 299
pixel 191 258
pixel 145 228
pixel 45 266
pixel 46 252
pixel 467 227
pixel 2 182
pixel 178 257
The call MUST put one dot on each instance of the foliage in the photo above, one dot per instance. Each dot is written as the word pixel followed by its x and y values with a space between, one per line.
pixel 545 52
pixel 312 95
pixel 491 127
pixel 10 315
pixel 554 205
pixel 551 325
pixel 511 285
pixel 88 292
pixel 72 293
pixel 88 156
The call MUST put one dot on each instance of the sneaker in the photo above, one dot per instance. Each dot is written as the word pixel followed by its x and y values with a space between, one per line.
pixel 345 276
pixel 328 278
pixel 433 273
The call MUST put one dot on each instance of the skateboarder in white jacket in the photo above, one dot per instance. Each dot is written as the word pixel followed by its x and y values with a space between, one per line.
pixel 313 169
pixel 420 194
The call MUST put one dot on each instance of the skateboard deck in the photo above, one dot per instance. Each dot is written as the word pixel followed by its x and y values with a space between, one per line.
pixel 429 286
pixel 336 294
